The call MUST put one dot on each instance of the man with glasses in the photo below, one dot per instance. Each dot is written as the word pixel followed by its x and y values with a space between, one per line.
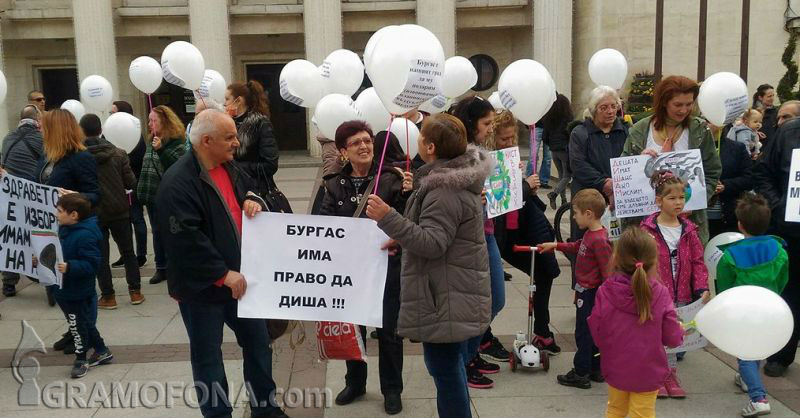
pixel 36 98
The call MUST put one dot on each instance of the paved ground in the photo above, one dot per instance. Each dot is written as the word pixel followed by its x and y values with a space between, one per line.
pixel 151 355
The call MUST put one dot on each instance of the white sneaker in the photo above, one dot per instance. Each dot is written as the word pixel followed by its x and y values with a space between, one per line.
pixel 754 409
pixel 737 380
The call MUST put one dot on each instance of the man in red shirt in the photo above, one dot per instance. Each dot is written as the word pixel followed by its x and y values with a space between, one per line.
pixel 591 268
pixel 203 196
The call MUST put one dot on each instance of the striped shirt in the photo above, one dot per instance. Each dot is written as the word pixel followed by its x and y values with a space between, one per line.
pixel 594 255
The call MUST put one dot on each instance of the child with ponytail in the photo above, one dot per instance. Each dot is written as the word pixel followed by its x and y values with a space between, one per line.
pixel 632 320
pixel 680 256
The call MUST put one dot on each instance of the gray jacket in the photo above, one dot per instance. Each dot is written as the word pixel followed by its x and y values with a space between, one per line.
pixel 445 295
pixel 21 150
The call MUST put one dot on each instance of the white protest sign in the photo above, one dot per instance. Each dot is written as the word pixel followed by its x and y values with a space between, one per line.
pixel 504 184
pixel 424 81
pixel 313 268
pixel 735 106
pixel 633 195
pixel 793 194
pixel 29 228
pixel 692 339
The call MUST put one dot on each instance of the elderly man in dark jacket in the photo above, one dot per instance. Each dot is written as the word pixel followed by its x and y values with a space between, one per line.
pixel 771 175
pixel 114 176
pixel 201 199
pixel 21 151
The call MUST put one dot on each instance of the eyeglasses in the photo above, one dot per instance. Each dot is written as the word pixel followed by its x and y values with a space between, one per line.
pixel 606 108
pixel 357 143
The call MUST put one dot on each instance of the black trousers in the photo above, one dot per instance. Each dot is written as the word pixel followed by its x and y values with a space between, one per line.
pixel 81 317
pixel 541 307
pixel 791 294
pixel 120 230
pixel 586 359
pixel 390 363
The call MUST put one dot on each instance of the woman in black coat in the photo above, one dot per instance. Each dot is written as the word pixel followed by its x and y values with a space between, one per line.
pixel 344 194
pixel 556 136
pixel 734 180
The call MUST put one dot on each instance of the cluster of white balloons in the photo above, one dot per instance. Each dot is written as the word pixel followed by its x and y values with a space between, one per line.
pixel 305 84
pixel 723 97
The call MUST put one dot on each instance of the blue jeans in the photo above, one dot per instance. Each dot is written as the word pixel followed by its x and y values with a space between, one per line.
pixel 158 245
pixel 544 170
pixel 749 371
pixel 469 349
pixel 446 367
pixel 586 359
pixel 496 272
pixel 204 323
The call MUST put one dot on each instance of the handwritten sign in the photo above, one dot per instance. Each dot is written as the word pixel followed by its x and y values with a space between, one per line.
pixel 692 339
pixel 793 194
pixel 424 82
pixel 633 195
pixel 504 184
pixel 29 228
pixel 313 268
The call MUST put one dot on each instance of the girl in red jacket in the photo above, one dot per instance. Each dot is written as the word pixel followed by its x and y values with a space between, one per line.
pixel 680 257
pixel 632 320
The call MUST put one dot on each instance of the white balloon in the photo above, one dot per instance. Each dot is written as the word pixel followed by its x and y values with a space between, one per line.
pixel 3 87
pixel 213 86
pixel 342 71
pixel 301 83
pixel 749 322
pixel 713 254
pixel 123 130
pixel 75 107
pixel 526 89
pixel 408 141
pixel 96 93
pixel 494 99
pixel 373 40
pixel 723 98
pixel 406 67
pixel 608 67
pixel 436 104
pixel 372 110
pixel 459 76
pixel 333 110
pixel 182 64
pixel 145 74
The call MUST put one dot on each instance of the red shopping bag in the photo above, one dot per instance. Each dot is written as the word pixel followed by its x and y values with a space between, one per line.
pixel 340 341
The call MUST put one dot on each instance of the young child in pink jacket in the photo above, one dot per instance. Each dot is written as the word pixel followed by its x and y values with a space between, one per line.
pixel 632 320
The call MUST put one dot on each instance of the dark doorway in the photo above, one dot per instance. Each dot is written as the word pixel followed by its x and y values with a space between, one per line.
pixel 288 120
pixel 179 99
pixel 58 85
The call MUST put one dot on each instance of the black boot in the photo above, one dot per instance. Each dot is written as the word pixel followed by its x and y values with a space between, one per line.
pixel 349 394
pixel 552 197
pixel 9 290
pixel 66 338
pixel 160 276
pixel 51 299
pixel 392 403
pixel 118 263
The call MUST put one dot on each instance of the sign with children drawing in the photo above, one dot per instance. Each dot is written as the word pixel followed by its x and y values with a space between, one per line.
pixel 29 228
pixel 633 194
pixel 504 184
pixel 692 339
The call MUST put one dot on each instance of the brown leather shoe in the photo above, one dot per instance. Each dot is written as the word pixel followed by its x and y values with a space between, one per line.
pixel 136 297
pixel 107 302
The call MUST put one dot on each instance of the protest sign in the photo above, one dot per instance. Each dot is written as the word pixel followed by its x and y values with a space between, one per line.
pixel 793 194
pixel 29 228
pixel 504 184
pixel 313 268
pixel 692 339
pixel 633 195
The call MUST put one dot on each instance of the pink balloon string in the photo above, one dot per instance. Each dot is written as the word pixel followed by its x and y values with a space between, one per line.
pixel 383 155
pixel 150 101
pixel 408 156
pixel 534 149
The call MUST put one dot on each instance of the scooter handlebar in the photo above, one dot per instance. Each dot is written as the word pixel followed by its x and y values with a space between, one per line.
pixel 523 249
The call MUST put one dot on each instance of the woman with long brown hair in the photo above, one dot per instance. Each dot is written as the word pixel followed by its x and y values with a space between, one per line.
pixel 258 150
pixel 164 147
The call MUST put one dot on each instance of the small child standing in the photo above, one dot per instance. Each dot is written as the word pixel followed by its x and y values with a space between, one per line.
pixel 591 268
pixel 746 132
pixel 632 320
pixel 680 257
pixel 80 242
pixel 757 260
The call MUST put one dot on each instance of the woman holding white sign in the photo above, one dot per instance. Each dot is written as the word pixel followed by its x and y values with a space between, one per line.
pixel 344 194
pixel 445 297
pixel 673 128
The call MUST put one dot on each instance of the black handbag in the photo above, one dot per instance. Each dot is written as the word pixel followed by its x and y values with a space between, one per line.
pixel 276 200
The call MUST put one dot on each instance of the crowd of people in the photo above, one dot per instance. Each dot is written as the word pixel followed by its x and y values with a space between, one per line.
pixel 445 281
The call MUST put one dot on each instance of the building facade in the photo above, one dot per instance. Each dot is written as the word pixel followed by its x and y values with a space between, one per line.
pixel 51 44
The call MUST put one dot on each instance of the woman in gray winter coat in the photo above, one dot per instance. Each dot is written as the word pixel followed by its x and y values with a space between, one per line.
pixel 445 296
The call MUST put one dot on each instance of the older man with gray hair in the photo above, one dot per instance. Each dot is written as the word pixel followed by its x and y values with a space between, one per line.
pixel 201 199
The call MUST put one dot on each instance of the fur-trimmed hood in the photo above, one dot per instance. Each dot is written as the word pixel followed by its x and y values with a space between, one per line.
pixel 467 171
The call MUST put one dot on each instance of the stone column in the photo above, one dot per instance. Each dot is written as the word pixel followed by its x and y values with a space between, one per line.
pixel 322 25
pixel 3 109
pixel 439 17
pixel 552 40
pixel 95 47
pixel 210 32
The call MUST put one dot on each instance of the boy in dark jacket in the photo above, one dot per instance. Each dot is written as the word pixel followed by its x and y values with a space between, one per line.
pixel 757 260
pixel 80 242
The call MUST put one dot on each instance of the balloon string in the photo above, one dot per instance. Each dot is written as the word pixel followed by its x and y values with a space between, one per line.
pixel 201 98
pixel 719 139
pixel 383 154
pixel 408 156
pixel 534 149
pixel 150 101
